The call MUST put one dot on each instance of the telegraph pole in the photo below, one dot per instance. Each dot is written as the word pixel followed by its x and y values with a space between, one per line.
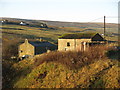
pixel 104 27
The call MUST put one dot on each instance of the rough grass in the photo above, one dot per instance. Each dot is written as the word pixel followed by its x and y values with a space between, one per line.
pixel 90 69
pixel 73 59
pixel 77 35
pixel 55 75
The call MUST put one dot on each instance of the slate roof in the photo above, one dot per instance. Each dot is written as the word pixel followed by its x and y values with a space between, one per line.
pixel 78 36
pixel 40 44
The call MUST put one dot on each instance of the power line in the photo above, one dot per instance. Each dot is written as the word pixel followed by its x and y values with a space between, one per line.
pixel 112 17
pixel 102 18
pixel 95 19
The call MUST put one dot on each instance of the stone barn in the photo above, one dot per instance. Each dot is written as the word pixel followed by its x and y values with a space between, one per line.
pixel 79 42
pixel 30 48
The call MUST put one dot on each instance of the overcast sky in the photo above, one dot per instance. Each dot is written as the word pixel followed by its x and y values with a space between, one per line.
pixel 61 10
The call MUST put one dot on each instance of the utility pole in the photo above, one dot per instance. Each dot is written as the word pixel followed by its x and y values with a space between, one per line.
pixel 104 27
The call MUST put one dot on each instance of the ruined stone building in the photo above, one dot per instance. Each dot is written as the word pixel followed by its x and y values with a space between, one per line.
pixel 79 42
pixel 30 48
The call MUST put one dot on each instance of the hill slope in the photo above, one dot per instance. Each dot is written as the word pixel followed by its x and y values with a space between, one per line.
pixel 65 24
pixel 66 70
pixel 100 74
pixel 55 29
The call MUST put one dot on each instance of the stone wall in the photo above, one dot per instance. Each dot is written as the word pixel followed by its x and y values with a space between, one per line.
pixel 26 49
pixel 74 44
pixel 62 44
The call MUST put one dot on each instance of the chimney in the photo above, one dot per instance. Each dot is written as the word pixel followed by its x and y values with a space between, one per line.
pixel 26 41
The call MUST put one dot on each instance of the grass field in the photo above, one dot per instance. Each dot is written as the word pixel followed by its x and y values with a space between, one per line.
pixel 52 34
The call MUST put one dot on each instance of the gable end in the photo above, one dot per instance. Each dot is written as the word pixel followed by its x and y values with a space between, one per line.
pixel 97 37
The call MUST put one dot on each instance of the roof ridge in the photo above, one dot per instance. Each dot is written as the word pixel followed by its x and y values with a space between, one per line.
pixel 77 35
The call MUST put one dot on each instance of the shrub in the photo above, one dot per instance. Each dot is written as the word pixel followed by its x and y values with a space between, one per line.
pixel 9 47
pixel 113 54
pixel 73 59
